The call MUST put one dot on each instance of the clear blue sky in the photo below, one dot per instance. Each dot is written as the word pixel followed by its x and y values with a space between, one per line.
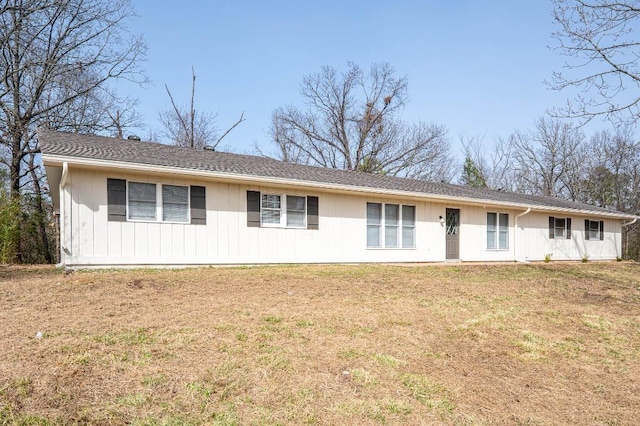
pixel 477 67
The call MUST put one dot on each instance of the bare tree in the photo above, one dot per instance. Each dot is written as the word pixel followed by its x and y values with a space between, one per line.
pixel 493 161
pixel 598 38
pixel 57 58
pixel 188 127
pixel 549 160
pixel 54 52
pixel 614 171
pixel 351 122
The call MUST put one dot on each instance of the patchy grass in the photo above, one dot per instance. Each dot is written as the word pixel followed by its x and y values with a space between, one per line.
pixel 548 343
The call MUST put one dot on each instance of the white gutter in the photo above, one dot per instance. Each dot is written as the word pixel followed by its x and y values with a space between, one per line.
pixel 515 236
pixel 333 187
pixel 63 183
pixel 630 223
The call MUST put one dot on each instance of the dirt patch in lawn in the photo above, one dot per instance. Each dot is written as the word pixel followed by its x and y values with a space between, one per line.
pixel 363 344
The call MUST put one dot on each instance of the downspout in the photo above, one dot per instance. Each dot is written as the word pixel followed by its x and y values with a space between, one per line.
pixel 515 236
pixel 63 183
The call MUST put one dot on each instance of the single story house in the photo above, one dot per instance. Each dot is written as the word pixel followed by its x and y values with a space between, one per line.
pixel 132 203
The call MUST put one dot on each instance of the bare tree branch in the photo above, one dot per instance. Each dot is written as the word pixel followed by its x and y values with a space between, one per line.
pixel 240 120
pixel 598 38
pixel 351 123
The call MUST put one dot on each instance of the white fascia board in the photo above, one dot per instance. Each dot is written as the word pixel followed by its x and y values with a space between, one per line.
pixel 49 159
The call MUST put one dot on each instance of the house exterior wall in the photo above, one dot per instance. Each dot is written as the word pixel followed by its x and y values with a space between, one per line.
pixel 534 242
pixel 89 239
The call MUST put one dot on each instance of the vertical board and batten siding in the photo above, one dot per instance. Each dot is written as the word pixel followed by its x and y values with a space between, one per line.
pixel 90 239
pixel 473 235
pixel 534 242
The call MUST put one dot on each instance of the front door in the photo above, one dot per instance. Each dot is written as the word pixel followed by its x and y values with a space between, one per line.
pixel 453 237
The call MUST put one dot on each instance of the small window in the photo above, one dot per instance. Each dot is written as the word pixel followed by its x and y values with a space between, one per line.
pixel 594 230
pixel 391 223
pixel 175 203
pixel 503 231
pixel 271 209
pixel 559 227
pixel 296 210
pixel 374 222
pixel 408 226
pixel 142 201
pixel 497 231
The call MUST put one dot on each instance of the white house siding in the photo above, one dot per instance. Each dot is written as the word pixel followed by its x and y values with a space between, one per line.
pixel 90 239
pixel 534 242
pixel 473 234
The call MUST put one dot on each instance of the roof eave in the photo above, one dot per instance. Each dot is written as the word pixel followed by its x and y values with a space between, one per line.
pixel 58 160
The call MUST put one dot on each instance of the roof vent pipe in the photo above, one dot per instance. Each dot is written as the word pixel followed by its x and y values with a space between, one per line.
pixel 133 137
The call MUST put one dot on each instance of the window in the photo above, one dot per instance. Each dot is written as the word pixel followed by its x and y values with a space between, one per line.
pixel 279 210
pixel 142 201
pixel 296 210
pixel 497 231
pixel 154 202
pixel 408 226
pixel 175 203
pixel 293 214
pixel 374 222
pixel 593 230
pixel 391 217
pixel 271 209
pixel 398 222
pixel 559 227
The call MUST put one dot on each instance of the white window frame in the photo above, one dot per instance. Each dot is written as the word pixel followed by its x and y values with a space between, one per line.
pixel 399 227
pixel 159 208
pixel 556 228
pixel 129 210
pixel 597 230
pixel 187 204
pixel 394 227
pixel 403 226
pixel 287 210
pixel 284 209
pixel 497 231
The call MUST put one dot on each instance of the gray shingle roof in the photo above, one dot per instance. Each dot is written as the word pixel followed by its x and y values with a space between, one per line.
pixel 73 145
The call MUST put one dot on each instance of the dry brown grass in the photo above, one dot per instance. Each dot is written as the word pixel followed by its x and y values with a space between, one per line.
pixel 464 344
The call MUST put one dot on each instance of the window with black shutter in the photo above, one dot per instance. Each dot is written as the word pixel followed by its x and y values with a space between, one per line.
pixel 277 210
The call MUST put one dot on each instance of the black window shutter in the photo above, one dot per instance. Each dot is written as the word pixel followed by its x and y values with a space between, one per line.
pixel 253 209
pixel 586 229
pixel 117 200
pixel 198 205
pixel 568 228
pixel 602 230
pixel 552 226
pixel 312 212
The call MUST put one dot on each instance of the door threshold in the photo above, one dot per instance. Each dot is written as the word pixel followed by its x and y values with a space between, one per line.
pixel 453 261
